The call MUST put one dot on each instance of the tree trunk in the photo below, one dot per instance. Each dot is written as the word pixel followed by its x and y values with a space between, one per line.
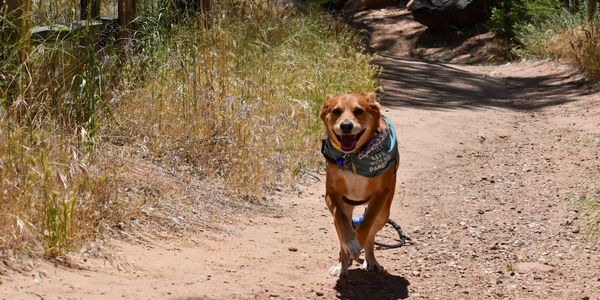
pixel 591 10
pixel 127 11
pixel 89 8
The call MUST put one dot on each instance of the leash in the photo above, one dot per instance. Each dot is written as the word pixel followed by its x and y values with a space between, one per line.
pixel 402 236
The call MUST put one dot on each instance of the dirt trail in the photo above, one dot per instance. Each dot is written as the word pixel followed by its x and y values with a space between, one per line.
pixel 490 156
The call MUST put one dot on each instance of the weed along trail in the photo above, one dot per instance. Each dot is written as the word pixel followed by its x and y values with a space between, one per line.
pixel 493 160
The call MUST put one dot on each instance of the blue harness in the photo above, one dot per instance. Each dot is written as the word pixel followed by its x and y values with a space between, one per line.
pixel 373 160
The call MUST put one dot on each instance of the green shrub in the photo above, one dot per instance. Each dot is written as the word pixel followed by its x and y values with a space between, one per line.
pixel 512 16
pixel 589 209
pixel 506 17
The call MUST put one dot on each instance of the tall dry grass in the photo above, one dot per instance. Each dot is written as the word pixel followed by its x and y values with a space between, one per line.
pixel 53 190
pixel 237 101
pixel 52 195
pixel 240 100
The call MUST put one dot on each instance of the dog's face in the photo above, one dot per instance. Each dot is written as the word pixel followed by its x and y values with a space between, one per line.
pixel 350 119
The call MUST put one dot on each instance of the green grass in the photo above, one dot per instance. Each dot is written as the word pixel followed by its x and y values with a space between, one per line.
pixel 561 35
pixel 539 39
pixel 237 102
pixel 589 209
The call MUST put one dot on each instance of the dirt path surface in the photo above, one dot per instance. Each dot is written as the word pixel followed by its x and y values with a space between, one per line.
pixel 491 160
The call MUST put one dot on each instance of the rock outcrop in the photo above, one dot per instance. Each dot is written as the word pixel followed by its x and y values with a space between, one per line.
pixel 439 14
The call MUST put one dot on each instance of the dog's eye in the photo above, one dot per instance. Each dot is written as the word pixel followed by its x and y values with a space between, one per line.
pixel 337 112
pixel 358 112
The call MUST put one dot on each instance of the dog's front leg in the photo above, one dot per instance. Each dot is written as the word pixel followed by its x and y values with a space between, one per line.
pixel 349 246
pixel 375 218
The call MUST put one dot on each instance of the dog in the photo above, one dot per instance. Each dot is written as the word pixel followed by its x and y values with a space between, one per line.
pixel 362 159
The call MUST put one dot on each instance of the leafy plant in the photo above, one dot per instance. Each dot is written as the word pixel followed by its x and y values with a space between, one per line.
pixel 590 210
pixel 505 17
pixel 511 16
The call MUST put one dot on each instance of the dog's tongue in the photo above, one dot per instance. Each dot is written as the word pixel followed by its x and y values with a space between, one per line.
pixel 348 142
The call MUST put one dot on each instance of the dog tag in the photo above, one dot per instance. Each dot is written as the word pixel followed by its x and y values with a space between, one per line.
pixel 347 160
pixel 340 162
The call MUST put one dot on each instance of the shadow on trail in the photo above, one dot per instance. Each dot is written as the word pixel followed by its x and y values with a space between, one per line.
pixel 473 45
pixel 449 38
pixel 430 85
pixel 361 284
pixel 401 34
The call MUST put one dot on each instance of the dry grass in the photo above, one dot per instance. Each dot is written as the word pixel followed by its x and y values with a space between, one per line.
pixel 51 194
pixel 237 102
pixel 584 50
pixel 590 212
pixel 240 100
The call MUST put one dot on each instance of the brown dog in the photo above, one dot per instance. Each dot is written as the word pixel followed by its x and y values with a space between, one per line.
pixel 362 159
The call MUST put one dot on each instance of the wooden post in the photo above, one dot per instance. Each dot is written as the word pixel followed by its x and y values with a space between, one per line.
pixel 89 8
pixel 204 6
pixel 204 11
pixel 126 15
pixel 189 8
pixel 591 10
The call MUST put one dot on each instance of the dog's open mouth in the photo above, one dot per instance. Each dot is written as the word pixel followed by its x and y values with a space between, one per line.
pixel 348 141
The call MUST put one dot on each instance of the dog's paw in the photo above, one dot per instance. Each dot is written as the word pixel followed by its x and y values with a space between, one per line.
pixel 372 266
pixel 338 271
pixel 353 248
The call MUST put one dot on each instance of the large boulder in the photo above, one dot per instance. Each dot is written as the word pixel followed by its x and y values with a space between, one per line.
pixel 377 3
pixel 354 5
pixel 440 14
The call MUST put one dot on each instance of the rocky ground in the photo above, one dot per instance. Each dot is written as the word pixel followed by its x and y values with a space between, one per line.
pixel 493 160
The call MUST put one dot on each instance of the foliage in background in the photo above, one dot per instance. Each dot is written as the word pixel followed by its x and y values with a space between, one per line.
pixel 505 18
pixel 510 17
pixel 240 100
pixel 549 29
pixel 236 101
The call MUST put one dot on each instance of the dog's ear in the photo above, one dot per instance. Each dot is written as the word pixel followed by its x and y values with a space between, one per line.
pixel 375 107
pixel 370 97
pixel 325 108
pixel 375 110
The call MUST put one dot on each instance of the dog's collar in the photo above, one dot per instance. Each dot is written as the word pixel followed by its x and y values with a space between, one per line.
pixel 371 161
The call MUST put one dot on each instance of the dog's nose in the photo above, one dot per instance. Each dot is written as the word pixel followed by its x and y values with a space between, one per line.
pixel 346 126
